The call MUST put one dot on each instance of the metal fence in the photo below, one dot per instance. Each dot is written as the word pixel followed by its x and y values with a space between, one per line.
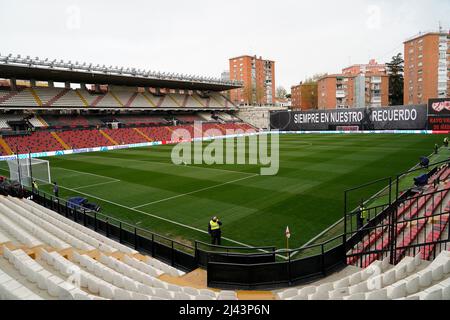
pixel 177 254
pixel 412 221
pixel 269 267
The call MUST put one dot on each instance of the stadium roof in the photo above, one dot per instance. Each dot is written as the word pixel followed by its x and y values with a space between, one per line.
pixel 60 71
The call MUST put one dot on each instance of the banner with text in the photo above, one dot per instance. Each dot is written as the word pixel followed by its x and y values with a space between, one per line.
pixel 412 117
pixel 439 114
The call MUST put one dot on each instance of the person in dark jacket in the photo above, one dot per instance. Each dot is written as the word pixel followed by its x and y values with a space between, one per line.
pixel 55 189
pixel 424 162
pixel 214 231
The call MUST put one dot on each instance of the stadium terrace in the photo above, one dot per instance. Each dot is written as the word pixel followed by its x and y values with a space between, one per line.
pixel 127 184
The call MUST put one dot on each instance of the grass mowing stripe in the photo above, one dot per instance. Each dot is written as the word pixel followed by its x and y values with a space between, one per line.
pixel 195 191
pixel 152 215
pixel 306 194
pixel 96 184
pixel 171 164
pixel 83 172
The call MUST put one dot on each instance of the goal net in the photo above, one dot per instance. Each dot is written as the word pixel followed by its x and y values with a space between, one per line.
pixel 347 128
pixel 27 169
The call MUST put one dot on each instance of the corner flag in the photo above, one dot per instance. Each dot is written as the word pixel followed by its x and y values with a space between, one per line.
pixel 288 233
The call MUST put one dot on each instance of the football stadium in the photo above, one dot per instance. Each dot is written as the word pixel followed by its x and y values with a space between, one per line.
pixel 120 183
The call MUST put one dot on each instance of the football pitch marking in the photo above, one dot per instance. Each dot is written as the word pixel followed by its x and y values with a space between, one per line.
pixel 167 164
pixel 152 215
pixel 195 191
pixel 88 173
pixel 96 184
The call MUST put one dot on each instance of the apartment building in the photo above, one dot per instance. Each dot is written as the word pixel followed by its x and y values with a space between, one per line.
pixel 357 86
pixel 427 67
pixel 372 67
pixel 258 77
pixel 304 96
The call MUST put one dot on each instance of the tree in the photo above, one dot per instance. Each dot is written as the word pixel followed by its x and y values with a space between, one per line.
pixel 395 71
pixel 315 78
pixel 259 94
pixel 281 92
pixel 247 94
pixel 309 93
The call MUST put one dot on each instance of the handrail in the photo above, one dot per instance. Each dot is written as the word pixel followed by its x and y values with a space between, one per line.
pixel 235 248
pixel 123 223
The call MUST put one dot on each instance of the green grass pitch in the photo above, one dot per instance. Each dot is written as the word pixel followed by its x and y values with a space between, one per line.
pixel 142 186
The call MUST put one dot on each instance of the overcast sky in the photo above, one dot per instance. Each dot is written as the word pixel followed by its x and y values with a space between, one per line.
pixel 198 36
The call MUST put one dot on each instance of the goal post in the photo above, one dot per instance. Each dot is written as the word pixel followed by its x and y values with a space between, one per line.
pixel 30 168
pixel 347 128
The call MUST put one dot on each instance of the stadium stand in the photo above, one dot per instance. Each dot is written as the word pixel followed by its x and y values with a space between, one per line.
pixel 94 136
pixel 70 121
pixel 84 139
pixel 115 97
pixel 186 118
pixel 22 98
pixel 124 135
pixel 35 142
pixel 419 208
pixel 46 256
pixel 137 119
pixel 411 279
pixel 4 118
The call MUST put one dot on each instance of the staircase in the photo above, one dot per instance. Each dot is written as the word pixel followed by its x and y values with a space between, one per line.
pixel 117 99
pixel 56 98
pixel 97 100
pixel 36 97
pixel 5 147
pixel 58 138
pixel 78 93
pixel 160 102
pixel 143 135
pixel 149 100
pixel 108 137
pixel 198 100
pixel 185 100
pixel 175 100
pixel 130 101
pixel 41 120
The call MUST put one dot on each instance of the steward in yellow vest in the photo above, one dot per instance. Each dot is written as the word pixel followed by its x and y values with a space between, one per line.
pixel 362 216
pixel 214 230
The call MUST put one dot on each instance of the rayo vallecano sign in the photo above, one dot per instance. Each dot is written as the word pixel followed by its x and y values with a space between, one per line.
pixel 394 118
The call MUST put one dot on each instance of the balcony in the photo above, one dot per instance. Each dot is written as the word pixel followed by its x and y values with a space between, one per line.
pixel 376 80
pixel 340 94
pixel 376 99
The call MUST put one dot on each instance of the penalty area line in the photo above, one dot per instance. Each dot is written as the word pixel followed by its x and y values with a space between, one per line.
pixel 96 184
pixel 192 192
pixel 153 216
